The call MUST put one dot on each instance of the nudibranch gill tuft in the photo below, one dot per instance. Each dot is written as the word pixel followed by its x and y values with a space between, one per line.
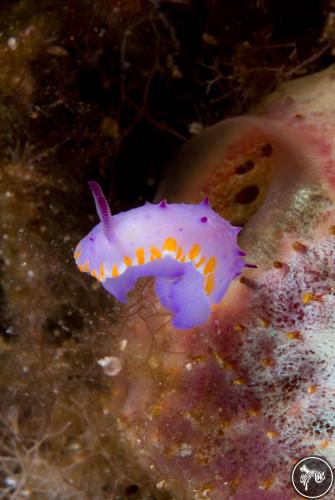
pixel 190 250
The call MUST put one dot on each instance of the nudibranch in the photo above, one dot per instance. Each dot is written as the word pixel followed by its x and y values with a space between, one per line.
pixel 190 250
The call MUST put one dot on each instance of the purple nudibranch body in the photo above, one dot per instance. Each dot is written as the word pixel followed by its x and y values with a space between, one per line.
pixel 190 250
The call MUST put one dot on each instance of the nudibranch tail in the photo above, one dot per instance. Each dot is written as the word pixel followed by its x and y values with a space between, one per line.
pixel 190 250
pixel 103 209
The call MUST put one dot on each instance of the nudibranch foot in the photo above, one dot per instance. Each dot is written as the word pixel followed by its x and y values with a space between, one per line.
pixel 185 298
pixel 190 250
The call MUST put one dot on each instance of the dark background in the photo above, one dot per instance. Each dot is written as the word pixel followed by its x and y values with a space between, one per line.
pixel 117 85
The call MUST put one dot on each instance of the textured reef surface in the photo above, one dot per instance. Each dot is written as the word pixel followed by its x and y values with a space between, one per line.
pixel 226 409
pixel 104 401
